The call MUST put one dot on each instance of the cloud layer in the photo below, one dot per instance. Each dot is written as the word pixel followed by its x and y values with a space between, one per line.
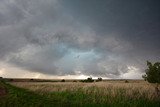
pixel 104 38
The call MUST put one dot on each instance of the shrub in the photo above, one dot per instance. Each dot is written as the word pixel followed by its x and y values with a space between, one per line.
pixel 88 80
pixel 74 81
pixel 99 79
pixel 1 79
pixel 62 80
pixel 126 81
pixel 11 80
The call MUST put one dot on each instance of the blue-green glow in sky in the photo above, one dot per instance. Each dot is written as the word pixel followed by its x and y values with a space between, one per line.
pixel 109 38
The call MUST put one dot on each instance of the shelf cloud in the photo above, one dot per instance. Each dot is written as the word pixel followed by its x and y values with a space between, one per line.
pixel 107 38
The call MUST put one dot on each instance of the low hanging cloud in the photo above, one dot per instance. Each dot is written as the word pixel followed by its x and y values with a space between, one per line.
pixel 58 38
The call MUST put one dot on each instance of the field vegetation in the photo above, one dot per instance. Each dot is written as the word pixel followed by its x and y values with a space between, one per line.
pixel 104 93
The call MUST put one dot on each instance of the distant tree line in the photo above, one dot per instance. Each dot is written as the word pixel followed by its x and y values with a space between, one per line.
pixel 91 80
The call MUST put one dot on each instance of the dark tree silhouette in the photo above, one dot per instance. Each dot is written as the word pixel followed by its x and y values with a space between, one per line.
pixel 63 80
pixel 88 80
pixel 153 75
pixel 99 79
pixel 152 72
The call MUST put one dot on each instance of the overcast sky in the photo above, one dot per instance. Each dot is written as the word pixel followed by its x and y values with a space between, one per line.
pixel 78 38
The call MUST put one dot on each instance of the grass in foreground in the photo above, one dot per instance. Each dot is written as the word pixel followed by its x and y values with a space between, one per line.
pixel 90 97
pixel 18 97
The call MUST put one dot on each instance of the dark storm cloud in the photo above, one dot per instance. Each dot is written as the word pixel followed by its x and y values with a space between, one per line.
pixel 135 23
pixel 108 36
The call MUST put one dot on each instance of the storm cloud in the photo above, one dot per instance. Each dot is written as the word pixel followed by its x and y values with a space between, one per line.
pixel 106 38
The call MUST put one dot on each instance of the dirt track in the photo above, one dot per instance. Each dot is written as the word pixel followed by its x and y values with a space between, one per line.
pixel 3 91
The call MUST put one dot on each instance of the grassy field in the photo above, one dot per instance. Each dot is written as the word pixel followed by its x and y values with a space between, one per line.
pixel 100 94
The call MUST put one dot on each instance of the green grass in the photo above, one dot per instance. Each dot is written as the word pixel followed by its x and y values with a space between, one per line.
pixel 19 97
pixel 83 99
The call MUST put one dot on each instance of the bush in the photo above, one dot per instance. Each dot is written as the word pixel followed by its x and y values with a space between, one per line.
pixel 1 79
pixel 99 79
pixel 11 80
pixel 88 80
pixel 62 80
pixel 74 81
pixel 126 81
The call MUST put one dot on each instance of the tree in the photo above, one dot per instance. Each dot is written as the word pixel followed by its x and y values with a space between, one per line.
pixel 153 75
pixel 88 80
pixel 99 79
pixel 63 80
pixel 152 72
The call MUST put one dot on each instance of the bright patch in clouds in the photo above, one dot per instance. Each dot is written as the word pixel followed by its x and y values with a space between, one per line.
pixel 133 73
pixel 73 39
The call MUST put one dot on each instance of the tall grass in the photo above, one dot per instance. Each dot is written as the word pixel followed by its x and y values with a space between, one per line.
pixel 18 97
pixel 101 94
pixel 103 88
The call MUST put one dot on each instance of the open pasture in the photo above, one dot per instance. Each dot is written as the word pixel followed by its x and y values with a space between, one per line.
pixel 113 92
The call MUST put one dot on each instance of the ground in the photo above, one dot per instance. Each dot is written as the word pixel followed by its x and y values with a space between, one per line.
pixel 2 92
pixel 64 94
